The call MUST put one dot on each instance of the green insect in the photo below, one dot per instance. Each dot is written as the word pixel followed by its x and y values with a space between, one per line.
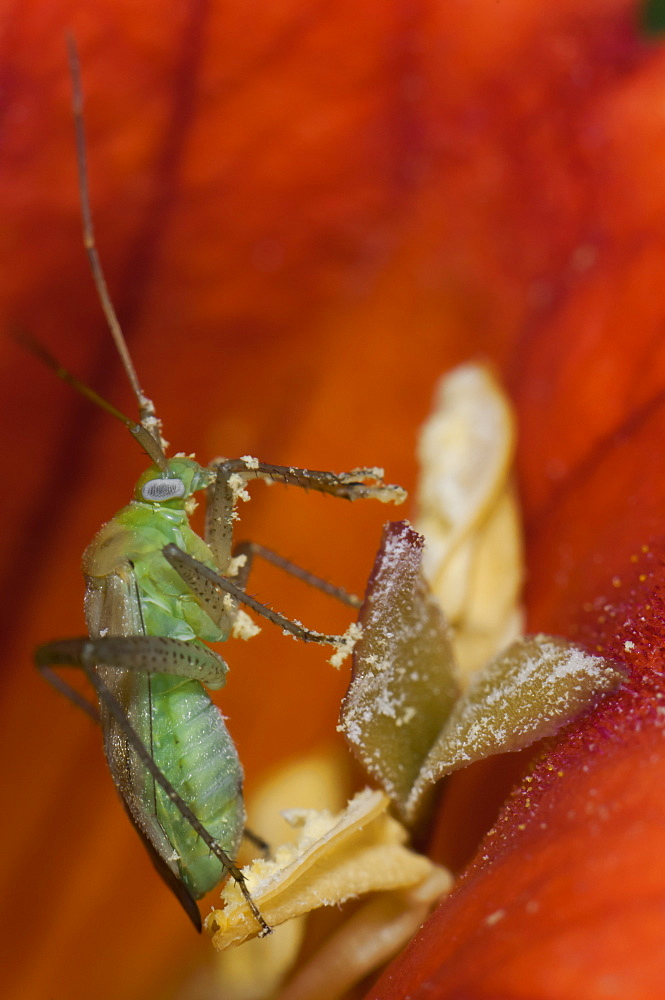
pixel 156 593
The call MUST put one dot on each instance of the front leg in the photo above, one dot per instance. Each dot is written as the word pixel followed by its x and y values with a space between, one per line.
pixel 232 475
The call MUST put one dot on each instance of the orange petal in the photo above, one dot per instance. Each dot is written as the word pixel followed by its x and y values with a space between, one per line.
pixel 305 216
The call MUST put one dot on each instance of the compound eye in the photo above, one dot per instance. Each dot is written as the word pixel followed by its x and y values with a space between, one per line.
pixel 161 490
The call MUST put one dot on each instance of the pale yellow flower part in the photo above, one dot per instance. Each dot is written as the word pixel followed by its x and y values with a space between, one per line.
pixel 337 857
pixel 255 971
pixel 367 940
pixel 320 780
pixel 469 515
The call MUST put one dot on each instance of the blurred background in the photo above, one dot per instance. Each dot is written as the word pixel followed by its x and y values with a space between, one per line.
pixel 306 212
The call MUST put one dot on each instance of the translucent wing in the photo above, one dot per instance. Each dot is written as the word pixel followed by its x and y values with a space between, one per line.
pixel 112 609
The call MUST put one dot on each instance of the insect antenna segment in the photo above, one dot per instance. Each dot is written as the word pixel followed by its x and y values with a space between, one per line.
pixel 150 445
pixel 147 415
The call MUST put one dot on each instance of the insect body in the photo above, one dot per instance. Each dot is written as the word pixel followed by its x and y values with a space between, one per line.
pixel 132 590
pixel 156 593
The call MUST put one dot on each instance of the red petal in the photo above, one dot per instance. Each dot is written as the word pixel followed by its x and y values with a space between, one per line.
pixel 305 215
pixel 566 897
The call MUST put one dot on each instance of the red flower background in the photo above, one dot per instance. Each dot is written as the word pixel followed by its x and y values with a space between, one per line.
pixel 307 211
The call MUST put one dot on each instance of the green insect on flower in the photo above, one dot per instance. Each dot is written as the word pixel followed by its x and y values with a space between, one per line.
pixel 156 593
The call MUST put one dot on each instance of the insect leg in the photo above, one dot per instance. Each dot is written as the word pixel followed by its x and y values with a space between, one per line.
pixel 64 688
pixel 175 884
pixel 259 842
pixel 359 484
pixel 212 590
pixel 116 709
pixel 149 654
pixel 252 549
pixel 231 475
pixel 220 507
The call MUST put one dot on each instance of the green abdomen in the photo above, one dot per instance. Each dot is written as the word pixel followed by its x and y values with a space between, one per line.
pixel 192 747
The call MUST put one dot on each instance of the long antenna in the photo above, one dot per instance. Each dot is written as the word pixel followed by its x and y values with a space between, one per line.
pixel 146 407
pixel 150 445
